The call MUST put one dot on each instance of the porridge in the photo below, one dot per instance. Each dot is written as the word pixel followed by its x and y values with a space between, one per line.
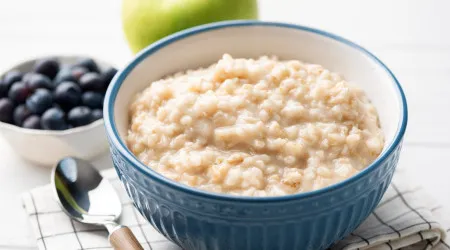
pixel 255 127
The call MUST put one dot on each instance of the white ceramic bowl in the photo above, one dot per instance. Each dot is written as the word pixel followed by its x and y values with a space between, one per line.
pixel 45 147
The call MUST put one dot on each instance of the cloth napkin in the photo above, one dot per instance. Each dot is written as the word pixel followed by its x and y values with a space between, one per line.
pixel 406 218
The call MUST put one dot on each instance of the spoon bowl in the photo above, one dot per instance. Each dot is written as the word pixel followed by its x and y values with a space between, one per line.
pixel 87 197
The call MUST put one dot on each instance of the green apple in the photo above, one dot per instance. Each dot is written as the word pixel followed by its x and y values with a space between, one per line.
pixel 146 21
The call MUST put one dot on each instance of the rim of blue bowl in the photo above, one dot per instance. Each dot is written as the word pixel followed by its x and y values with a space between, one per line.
pixel 116 83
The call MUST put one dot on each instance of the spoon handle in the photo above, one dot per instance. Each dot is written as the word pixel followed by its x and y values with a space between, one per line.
pixel 123 239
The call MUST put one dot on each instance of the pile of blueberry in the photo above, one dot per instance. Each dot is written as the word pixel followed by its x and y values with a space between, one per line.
pixel 54 96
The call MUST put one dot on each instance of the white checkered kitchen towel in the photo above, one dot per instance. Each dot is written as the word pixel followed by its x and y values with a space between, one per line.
pixel 406 218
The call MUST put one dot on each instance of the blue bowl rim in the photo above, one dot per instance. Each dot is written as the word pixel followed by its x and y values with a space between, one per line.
pixel 119 78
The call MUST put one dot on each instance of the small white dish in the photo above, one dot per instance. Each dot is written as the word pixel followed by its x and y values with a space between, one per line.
pixel 46 147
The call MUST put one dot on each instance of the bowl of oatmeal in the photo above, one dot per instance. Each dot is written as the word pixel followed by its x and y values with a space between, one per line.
pixel 250 135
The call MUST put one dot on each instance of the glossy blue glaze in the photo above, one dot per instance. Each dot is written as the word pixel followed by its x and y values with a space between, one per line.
pixel 196 219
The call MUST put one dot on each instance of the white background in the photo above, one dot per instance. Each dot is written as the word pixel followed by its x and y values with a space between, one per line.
pixel 411 37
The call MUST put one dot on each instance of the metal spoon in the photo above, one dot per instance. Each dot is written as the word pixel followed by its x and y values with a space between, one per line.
pixel 85 196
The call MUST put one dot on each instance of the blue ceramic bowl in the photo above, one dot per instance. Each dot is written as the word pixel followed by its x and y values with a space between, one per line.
pixel 196 219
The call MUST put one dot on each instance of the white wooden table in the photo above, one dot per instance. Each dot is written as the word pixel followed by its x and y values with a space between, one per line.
pixel 412 37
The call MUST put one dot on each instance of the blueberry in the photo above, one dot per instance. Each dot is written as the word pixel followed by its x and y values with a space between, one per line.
pixel 53 119
pixel 20 114
pixel 37 81
pixel 4 88
pixel 78 72
pixel 48 67
pixel 28 76
pixel 67 94
pixel 88 63
pixel 64 75
pixel 108 75
pixel 12 77
pixel 92 99
pixel 32 122
pixel 80 116
pixel 18 92
pixel 97 114
pixel 6 110
pixel 40 101
pixel 92 81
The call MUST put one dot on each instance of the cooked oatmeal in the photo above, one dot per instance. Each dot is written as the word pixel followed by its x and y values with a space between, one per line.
pixel 250 127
